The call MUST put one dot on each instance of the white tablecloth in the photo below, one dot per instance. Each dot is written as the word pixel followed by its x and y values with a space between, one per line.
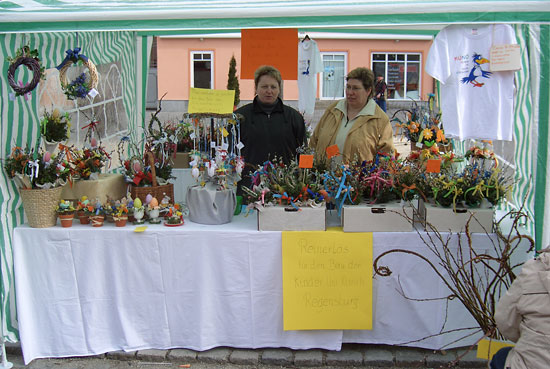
pixel 84 291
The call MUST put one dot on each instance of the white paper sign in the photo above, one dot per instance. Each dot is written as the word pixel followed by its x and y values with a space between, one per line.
pixel 504 57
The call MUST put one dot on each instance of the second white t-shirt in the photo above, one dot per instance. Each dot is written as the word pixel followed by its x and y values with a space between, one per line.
pixel 309 64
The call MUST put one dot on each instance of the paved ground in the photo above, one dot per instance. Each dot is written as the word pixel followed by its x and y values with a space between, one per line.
pixel 351 356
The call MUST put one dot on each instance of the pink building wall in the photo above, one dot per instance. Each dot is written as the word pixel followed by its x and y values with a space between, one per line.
pixel 173 58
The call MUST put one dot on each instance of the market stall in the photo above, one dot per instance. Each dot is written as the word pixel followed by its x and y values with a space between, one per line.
pixel 124 36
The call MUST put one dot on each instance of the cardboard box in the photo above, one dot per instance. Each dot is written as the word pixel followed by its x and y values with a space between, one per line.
pixel 449 220
pixel 181 160
pixel 110 184
pixel 281 218
pixel 389 217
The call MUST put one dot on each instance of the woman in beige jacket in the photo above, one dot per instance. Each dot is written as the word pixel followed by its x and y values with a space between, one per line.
pixel 523 316
pixel 355 124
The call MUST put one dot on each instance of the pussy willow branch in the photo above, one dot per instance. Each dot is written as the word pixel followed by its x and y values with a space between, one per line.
pixel 475 279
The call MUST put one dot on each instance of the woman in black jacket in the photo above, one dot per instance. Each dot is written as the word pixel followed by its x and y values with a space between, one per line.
pixel 270 129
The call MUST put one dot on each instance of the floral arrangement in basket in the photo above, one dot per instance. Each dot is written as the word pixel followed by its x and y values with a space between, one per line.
pixel 84 84
pixel 31 168
pixel 160 142
pixel 29 58
pixel 89 161
pixel 422 126
pixel 55 126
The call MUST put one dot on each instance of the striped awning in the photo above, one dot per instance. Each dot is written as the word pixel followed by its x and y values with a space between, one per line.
pixel 178 15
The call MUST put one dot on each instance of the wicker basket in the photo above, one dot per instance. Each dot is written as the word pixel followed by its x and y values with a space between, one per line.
pixel 155 190
pixel 40 206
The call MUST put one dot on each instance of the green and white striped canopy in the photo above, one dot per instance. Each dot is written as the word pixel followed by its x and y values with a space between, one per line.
pixel 175 15
pixel 126 26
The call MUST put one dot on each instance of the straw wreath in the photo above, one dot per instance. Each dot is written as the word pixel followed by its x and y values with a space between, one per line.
pixel 74 57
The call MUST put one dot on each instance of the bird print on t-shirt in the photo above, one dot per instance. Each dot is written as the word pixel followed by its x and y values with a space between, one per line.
pixel 477 71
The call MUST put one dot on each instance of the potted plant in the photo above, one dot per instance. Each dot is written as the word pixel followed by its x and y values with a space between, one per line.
pixel 55 127
pixel 120 215
pixel 422 126
pixel 65 212
pixel 95 212
pixel 39 176
pixel 81 210
pixel 174 216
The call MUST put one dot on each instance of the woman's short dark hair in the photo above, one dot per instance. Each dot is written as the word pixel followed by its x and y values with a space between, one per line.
pixel 366 76
pixel 267 70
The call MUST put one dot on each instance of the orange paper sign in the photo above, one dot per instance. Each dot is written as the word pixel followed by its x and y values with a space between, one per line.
pixel 332 150
pixel 306 161
pixel 276 47
pixel 433 166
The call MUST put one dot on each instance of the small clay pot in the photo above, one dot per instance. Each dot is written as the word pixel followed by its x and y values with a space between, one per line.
pixel 120 221
pixel 97 220
pixel 66 220
pixel 84 219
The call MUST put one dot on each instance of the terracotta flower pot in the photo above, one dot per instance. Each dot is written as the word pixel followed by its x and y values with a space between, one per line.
pixel 97 220
pixel 84 219
pixel 120 221
pixel 66 220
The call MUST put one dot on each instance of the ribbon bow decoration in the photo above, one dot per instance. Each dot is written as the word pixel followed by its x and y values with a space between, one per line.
pixel 34 166
pixel 142 176
pixel 72 56
pixel 26 95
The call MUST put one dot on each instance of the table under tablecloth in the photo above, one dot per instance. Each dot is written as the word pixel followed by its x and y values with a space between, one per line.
pixel 84 291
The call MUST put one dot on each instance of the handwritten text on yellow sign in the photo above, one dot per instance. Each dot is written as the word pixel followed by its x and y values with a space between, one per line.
pixel 203 100
pixel 327 280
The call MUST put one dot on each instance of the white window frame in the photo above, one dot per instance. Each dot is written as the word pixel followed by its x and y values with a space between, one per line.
pixel 322 74
pixel 192 66
pixel 420 71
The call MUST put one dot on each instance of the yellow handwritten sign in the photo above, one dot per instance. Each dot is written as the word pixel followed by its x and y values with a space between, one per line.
pixel 203 100
pixel 487 347
pixel 327 280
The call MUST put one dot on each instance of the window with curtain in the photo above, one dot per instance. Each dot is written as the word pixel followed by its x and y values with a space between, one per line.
pixel 332 81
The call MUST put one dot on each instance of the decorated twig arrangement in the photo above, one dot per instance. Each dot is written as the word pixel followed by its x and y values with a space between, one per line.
pixel 476 279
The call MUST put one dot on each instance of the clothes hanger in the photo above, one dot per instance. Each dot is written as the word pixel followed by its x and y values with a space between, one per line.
pixel 306 38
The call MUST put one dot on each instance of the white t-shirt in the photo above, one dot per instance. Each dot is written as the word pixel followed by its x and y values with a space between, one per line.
pixel 475 103
pixel 309 64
